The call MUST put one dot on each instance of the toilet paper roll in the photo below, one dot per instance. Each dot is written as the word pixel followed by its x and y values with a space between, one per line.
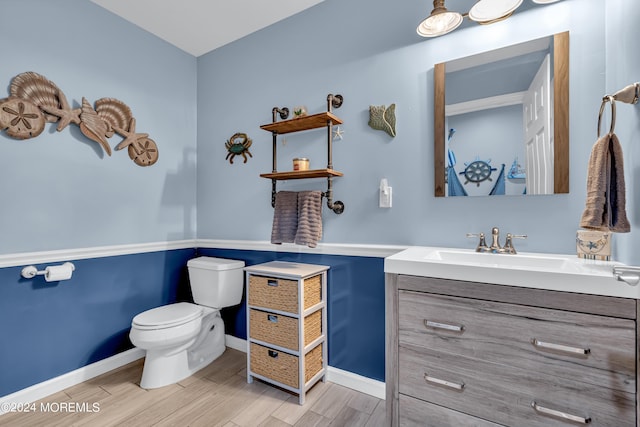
pixel 58 272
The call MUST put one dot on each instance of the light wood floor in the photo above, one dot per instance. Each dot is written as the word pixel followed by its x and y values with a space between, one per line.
pixel 218 395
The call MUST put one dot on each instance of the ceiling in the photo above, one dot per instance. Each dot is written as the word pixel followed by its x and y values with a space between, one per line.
pixel 200 26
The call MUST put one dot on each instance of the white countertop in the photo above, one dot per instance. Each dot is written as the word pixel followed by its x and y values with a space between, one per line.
pixel 555 272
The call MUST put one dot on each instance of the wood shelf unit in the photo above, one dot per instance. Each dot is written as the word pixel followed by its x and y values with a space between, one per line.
pixel 300 124
pixel 325 120
pixel 314 173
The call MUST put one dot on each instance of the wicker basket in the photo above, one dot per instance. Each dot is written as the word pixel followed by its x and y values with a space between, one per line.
pixel 283 367
pixel 282 294
pixel 283 330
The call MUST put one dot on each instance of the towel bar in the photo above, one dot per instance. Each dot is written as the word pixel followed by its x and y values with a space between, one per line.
pixel 610 99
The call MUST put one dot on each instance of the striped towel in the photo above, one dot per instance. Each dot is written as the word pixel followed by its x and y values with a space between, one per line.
pixel 309 218
pixel 285 217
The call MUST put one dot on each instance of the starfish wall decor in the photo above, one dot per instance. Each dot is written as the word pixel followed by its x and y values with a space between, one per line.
pixel 34 100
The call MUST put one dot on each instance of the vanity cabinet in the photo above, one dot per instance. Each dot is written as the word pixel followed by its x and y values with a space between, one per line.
pixel 476 354
pixel 286 324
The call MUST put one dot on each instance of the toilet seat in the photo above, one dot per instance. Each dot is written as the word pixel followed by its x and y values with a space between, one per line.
pixel 167 316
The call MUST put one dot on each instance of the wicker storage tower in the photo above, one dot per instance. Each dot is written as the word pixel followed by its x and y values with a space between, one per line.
pixel 286 324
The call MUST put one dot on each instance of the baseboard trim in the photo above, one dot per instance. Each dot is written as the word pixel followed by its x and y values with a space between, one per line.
pixel 337 376
pixel 54 385
pixel 356 382
pixel 235 343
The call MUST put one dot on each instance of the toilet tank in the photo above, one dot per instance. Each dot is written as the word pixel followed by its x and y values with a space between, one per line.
pixel 216 282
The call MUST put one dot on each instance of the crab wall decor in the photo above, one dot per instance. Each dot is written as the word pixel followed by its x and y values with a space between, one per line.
pixel 238 145
pixel 34 100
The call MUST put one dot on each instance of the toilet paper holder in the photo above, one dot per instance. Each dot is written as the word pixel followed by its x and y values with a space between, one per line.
pixel 31 271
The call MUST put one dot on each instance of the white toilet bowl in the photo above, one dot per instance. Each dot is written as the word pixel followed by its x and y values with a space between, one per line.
pixel 182 338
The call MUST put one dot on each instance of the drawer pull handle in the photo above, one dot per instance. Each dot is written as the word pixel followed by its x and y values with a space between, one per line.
pixel 560 347
pixel 438 325
pixel 272 282
pixel 559 414
pixel 272 318
pixel 273 354
pixel 438 381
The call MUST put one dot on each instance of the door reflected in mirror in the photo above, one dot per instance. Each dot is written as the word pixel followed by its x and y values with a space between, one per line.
pixel 502 121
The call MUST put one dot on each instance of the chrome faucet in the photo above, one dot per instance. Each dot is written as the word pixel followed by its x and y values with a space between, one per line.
pixel 495 247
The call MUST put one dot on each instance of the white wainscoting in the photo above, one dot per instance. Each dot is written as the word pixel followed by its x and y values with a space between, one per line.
pixel 345 249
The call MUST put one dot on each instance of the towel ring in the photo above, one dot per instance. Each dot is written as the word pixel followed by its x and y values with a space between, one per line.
pixel 610 99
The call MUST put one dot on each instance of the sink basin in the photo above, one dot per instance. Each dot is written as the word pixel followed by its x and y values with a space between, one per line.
pixel 559 272
pixel 496 260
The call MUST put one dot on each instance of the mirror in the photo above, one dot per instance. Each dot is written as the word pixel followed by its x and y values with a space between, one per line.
pixel 502 121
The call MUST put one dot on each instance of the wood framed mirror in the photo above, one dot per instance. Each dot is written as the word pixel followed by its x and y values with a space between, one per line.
pixel 544 148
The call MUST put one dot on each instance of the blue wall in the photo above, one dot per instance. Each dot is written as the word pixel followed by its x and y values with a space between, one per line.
pixel 62 326
pixel 371 55
pixel 60 190
pixel 53 328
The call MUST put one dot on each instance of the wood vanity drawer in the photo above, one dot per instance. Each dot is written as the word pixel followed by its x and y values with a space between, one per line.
pixel 282 330
pixel 505 394
pixel 594 349
pixel 282 294
pixel 416 412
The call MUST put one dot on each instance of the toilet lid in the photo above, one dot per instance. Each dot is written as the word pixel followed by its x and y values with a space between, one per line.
pixel 168 315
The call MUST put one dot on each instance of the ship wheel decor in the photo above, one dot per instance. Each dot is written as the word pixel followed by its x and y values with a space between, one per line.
pixel 477 171
pixel 34 100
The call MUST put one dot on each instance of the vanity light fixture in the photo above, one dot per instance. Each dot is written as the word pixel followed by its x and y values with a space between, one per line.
pixel 442 21
pixel 490 11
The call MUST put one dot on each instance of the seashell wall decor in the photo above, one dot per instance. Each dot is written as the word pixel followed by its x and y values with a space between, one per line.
pixel 34 100
pixel 383 118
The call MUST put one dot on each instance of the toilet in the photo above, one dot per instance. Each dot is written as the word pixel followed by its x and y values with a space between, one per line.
pixel 182 338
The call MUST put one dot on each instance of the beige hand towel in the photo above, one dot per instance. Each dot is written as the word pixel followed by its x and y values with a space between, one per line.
pixel 285 217
pixel 309 218
pixel 606 201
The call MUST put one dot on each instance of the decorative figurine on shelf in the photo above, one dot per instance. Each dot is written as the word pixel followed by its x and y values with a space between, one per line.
pixel 237 145
pixel 383 118
pixel 300 111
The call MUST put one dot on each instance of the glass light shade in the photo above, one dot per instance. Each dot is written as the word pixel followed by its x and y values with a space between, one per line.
pixel 488 11
pixel 439 23
pixel 544 1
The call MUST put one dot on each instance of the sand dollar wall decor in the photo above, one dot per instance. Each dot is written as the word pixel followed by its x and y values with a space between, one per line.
pixel 34 100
